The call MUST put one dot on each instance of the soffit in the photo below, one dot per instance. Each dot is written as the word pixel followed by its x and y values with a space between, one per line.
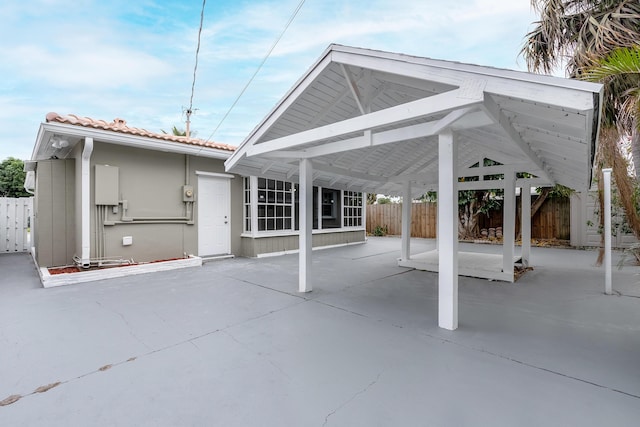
pixel 543 125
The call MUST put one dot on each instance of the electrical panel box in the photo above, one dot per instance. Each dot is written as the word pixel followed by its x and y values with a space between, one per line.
pixel 106 185
pixel 187 193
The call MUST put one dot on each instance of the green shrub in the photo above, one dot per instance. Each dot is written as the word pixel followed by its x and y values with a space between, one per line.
pixel 380 230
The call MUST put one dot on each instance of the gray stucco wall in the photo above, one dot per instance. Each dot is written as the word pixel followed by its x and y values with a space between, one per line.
pixel 54 208
pixel 252 247
pixel 151 182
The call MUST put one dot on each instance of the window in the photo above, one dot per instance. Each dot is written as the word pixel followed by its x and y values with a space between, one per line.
pixel 277 206
pixel 352 209
pixel 275 202
pixel 330 208
pixel 247 204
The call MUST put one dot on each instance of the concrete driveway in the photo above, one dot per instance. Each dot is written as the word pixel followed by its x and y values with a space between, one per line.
pixel 233 344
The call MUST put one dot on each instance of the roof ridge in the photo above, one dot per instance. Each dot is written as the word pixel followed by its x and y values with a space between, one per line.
pixel 120 125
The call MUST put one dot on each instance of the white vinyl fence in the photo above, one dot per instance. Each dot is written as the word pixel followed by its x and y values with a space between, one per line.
pixel 16 216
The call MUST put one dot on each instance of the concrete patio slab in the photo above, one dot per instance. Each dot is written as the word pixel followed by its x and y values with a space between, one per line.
pixel 232 343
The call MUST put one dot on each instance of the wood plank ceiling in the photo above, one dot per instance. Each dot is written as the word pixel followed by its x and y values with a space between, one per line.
pixel 543 125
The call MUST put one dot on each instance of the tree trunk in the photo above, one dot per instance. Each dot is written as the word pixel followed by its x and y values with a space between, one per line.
pixel 635 148
pixel 539 201
pixel 468 221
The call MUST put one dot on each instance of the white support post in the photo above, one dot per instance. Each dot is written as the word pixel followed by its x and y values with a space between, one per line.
pixel 606 175
pixel 364 212
pixel 525 221
pixel 405 253
pixel 447 232
pixel 253 195
pixel 306 225
pixel 319 209
pixel 508 222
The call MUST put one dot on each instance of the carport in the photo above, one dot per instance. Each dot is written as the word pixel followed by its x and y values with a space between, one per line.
pixel 378 122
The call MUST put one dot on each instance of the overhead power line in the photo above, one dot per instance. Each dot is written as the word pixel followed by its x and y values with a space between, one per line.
pixel 273 46
pixel 195 68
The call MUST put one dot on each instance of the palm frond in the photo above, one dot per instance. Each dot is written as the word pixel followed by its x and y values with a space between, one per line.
pixel 621 61
pixel 578 30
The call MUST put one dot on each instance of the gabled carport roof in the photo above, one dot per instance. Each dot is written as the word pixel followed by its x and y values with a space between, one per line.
pixel 369 122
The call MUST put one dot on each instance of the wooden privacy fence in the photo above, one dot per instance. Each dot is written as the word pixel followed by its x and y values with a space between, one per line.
pixel 552 221
pixel 389 218
pixel 15 219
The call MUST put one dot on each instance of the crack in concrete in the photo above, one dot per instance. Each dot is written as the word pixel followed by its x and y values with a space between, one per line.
pixel 126 322
pixel 246 346
pixel 620 294
pixel 291 294
pixel 374 255
pixel 352 398
pixel 366 282
pixel 162 319
pixel 340 308
pixel 158 350
pixel 530 365
pixel 444 340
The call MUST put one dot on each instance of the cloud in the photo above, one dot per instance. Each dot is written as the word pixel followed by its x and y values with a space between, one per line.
pixel 134 59
pixel 106 67
pixel 419 27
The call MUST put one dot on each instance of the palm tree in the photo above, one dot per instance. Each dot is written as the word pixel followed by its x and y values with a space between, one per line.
pixel 621 68
pixel 176 132
pixel 578 35
pixel 622 64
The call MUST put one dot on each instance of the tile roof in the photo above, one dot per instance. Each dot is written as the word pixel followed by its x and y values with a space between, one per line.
pixel 120 125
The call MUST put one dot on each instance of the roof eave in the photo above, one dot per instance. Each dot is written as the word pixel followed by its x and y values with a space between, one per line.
pixel 281 105
pixel 117 138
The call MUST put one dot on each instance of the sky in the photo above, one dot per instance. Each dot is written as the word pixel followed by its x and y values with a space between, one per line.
pixel 134 59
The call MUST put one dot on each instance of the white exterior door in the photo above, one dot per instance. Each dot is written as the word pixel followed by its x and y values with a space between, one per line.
pixel 214 219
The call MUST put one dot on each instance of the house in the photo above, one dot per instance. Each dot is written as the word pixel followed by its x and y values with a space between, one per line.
pixel 110 194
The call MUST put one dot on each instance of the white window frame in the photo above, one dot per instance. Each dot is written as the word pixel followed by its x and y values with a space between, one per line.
pixel 361 207
pixel 256 233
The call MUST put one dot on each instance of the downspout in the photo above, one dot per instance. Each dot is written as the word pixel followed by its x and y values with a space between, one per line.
pixel 85 202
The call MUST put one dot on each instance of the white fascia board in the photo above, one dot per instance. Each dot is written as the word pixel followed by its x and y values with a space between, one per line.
pixel 551 90
pixel 472 68
pixel 39 141
pixel 289 98
pixel 111 137
pixel 436 104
